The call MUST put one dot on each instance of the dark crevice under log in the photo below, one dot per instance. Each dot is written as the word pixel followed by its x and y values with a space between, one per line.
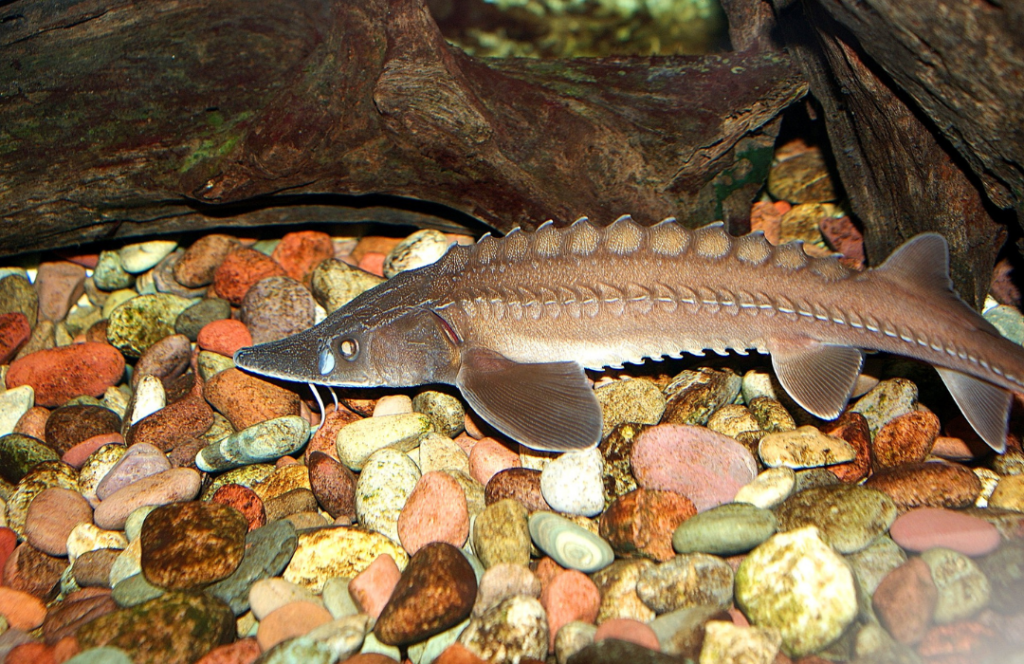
pixel 120 118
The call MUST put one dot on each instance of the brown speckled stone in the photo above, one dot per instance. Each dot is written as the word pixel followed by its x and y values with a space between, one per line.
pixel 64 618
pixel 334 486
pixel 190 545
pixel 172 425
pixel 246 400
pixel 931 484
pixel 904 439
pixel 641 523
pixel 70 425
pixel 30 570
pixel 436 592
pixel 520 484
pixel 853 428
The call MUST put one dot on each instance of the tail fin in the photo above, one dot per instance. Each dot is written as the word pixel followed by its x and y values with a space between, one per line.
pixel 923 261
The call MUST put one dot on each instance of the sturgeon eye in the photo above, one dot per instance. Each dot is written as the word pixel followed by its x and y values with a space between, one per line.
pixel 326 361
pixel 349 349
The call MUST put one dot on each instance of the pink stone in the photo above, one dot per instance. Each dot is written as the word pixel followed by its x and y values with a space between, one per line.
pixel 141 460
pixel 569 596
pixel 291 620
pixel 706 467
pixel 59 285
pixel 169 486
pixel 488 457
pixel 928 527
pixel 224 336
pixel 371 589
pixel 58 374
pixel 22 611
pixel 627 629
pixel 435 511
pixel 77 455
pixel 51 517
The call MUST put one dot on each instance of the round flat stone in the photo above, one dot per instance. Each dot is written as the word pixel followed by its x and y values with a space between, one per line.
pixel 638 401
pixel 14 404
pixel 805 447
pixel 175 628
pixel 573 483
pixel 570 545
pixel 137 258
pixel 688 580
pixel 501 534
pixel 848 517
pixel 19 454
pixel 929 484
pixel 435 511
pixel 277 307
pixel 52 515
pixel 725 530
pixel 963 590
pixel 927 527
pixel 797 584
pixel 706 467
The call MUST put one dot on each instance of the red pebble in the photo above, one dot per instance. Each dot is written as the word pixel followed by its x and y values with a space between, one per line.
pixel 456 653
pixel 245 500
pixel 244 651
pixel 298 253
pixel 488 457
pixel 371 589
pixel 241 269
pixel 33 423
pixel 568 597
pixel 59 374
pixel 31 653
pixel 626 629
pixel 224 336
pixel 435 511
pixel 8 540
pixel 14 332
pixel 766 217
pixel 77 455
pixel 373 263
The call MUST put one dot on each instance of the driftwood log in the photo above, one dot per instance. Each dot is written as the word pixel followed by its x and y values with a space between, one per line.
pixel 924 106
pixel 120 118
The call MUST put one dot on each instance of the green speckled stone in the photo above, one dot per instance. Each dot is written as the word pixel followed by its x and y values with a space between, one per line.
pixel 203 312
pixel 19 454
pixel 725 530
pixel 18 295
pixel 109 274
pixel 142 321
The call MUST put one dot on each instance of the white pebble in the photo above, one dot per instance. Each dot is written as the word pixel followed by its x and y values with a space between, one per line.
pixel 574 483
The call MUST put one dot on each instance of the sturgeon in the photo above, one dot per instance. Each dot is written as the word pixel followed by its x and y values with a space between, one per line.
pixel 514 321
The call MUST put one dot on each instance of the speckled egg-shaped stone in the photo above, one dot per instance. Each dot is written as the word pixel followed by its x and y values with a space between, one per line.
pixel 574 483
pixel 144 320
pixel 512 631
pixel 360 439
pixel 382 489
pixel 848 517
pixel 797 584
pixel 418 250
pixel 688 580
pixel 637 400
pixel 725 530
pixel 335 284
pixel 963 590
pixel 338 552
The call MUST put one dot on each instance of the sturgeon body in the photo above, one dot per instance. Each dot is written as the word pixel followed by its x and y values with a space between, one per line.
pixel 513 322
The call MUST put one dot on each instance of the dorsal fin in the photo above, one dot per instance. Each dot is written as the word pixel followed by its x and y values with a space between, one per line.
pixel 922 260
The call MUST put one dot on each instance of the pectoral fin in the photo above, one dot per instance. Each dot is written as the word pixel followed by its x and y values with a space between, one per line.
pixel 984 405
pixel 818 376
pixel 548 406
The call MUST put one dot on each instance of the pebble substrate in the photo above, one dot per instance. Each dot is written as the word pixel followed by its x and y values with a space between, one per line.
pixel 160 505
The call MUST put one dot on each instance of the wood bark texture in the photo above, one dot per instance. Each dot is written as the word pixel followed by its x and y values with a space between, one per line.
pixel 902 175
pixel 120 118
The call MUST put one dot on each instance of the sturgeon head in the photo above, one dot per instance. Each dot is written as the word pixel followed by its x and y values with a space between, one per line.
pixel 393 336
